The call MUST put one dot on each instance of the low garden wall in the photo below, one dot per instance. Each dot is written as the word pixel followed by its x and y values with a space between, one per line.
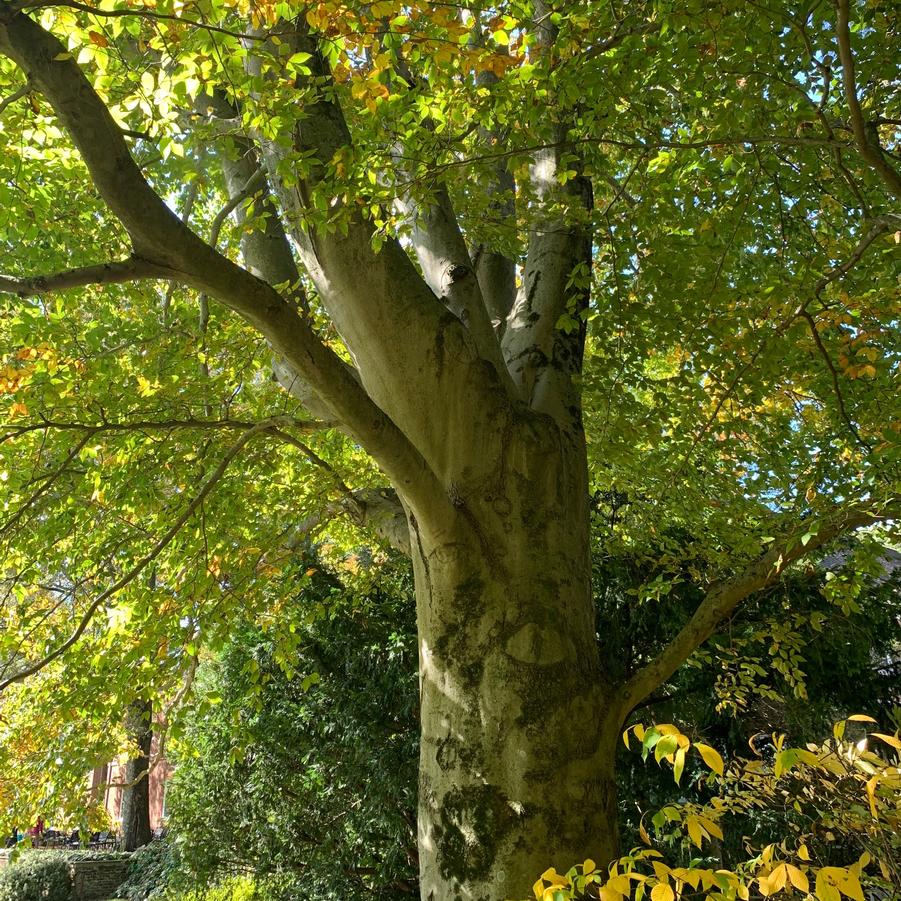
pixel 97 880
pixel 54 875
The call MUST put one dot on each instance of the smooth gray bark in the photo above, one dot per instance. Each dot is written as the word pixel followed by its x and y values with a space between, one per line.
pixel 517 729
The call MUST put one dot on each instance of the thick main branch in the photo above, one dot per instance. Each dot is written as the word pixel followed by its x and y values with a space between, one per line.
pixel 865 135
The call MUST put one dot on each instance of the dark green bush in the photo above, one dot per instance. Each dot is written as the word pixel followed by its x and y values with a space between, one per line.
pixel 149 871
pixel 298 763
pixel 37 876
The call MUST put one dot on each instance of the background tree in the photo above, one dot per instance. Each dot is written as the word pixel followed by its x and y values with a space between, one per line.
pixel 517 255
pixel 135 808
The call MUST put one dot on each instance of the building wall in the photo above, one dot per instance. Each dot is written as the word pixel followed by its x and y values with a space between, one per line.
pixel 108 780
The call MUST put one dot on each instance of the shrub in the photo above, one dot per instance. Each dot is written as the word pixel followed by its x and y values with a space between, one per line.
pixel 37 876
pixel 298 760
pixel 239 888
pixel 149 871
pixel 840 839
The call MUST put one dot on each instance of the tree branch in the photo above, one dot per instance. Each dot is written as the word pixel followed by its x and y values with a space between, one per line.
pixel 723 597
pixel 866 138
pixel 255 182
pixel 879 226
pixel 160 425
pixel 449 271
pixel 12 98
pixel 545 359
pixel 142 564
pixel 159 235
pixel 376 509
pixel 396 330
pixel 132 269
pixel 836 386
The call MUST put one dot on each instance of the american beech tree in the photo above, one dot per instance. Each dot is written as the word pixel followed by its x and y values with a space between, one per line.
pixel 460 277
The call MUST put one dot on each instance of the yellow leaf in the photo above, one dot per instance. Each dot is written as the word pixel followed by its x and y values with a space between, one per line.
pixel 711 827
pixel 711 757
pixel 695 831
pixel 827 888
pixel 803 853
pixel 620 884
pixel 860 718
pixel 807 757
pixel 679 764
pixel 892 740
pixel 552 876
pixel 607 894
pixel 643 834
pixel 850 886
pixel 667 729
pixel 589 866
pixel 871 794
pixel 798 878
pixel 662 892
pixel 778 878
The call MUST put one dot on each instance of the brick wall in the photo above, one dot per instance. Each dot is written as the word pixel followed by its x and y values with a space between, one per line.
pixel 97 880
pixel 92 880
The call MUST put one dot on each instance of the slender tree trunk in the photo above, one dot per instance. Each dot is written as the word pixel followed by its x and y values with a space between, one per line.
pixel 516 769
pixel 135 809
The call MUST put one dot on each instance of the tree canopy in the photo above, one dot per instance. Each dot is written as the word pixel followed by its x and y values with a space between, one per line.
pixel 447 278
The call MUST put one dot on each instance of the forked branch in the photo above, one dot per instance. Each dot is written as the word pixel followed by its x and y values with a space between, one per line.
pixel 160 236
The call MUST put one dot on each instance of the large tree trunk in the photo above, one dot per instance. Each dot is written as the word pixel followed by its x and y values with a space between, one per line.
pixel 135 809
pixel 516 770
